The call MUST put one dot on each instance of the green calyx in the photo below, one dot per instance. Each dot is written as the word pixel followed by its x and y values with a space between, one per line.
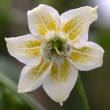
pixel 57 44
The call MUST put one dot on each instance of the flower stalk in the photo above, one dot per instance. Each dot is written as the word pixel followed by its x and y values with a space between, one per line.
pixel 81 93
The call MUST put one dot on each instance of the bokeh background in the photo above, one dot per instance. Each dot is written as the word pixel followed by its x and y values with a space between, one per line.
pixel 13 23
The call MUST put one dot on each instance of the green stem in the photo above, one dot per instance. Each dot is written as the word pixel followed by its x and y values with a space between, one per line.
pixel 81 93
pixel 24 97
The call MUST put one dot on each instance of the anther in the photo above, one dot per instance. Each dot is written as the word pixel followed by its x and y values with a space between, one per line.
pixel 49 55
pixel 64 55
pixel 49 47
pixel 55 39
pixel 68 47
pixel 55 63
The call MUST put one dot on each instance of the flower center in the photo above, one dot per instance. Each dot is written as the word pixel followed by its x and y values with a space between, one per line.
pixel 56 46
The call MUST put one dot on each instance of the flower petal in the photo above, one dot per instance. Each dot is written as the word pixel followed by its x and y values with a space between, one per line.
pixel 26 49
pixel 32 77
pixel 90 56
pixel 43 20
pixel 59 83
pixel 75 24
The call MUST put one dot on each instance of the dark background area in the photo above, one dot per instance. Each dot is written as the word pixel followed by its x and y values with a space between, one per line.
pixel 13 23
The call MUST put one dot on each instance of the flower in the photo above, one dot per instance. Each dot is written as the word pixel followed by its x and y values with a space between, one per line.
pixel 55 50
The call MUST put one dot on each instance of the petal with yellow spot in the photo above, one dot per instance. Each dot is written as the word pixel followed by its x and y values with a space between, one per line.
pixel 32 77
pixel 26 49
pixel 43 20
pixel 88 57
pixel 61 80
pixel 75 24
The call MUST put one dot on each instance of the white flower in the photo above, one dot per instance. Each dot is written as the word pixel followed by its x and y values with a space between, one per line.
pixel 55 50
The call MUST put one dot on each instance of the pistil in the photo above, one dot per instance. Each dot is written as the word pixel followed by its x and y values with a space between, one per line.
pixel 60 53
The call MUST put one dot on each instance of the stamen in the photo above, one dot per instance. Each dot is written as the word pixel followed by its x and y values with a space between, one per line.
pixel 68 47
pixel 64 55
pixel 55 39
pixel 49 47
pixel 60 53
pixel 55 62
pixel 49 55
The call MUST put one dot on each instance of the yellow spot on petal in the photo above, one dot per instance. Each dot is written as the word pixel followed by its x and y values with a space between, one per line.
pixel 60 73
pixel 31 47
pixel 54 73
pixel 45 23
pixel 36 72
pixel 33 43
pixel 73 28
pixel 32 51
pixel 82 55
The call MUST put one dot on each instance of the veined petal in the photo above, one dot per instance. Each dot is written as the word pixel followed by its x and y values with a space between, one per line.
pixel 43 20
pixel 59 83
pixel 75 24
pixel 32 77
pixel 90 56
pixel 26 49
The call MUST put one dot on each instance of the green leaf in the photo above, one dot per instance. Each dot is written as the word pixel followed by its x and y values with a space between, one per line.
pixel 10 88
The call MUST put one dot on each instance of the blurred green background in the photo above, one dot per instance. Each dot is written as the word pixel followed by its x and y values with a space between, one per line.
pixel 13 23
